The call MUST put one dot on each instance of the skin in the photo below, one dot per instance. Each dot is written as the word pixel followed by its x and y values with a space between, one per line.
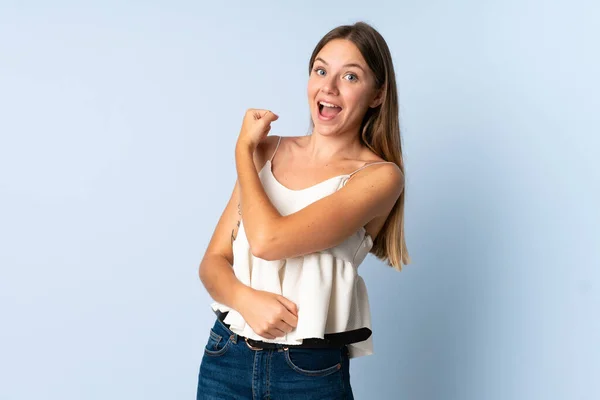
pixel 352 88
pixel 368 196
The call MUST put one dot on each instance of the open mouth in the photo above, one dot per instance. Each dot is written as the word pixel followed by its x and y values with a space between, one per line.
pixel 328 111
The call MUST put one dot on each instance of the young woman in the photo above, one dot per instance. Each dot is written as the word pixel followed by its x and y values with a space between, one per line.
pixel 303 215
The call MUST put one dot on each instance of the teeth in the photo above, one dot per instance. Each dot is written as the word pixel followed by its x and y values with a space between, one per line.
pixel 328 104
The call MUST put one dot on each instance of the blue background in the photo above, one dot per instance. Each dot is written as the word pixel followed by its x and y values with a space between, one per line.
pixel 118 123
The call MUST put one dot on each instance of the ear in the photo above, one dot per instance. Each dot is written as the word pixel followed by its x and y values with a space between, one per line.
pixel 378 99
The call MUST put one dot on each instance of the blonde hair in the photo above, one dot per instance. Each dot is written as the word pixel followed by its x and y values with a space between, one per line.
pixel 380 130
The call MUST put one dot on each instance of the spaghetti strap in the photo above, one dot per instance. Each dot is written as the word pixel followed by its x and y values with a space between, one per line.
pixel 366 165
pixel 279 141
pixel 347 178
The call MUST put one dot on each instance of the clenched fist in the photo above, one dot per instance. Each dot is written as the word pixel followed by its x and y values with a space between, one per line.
pixel 255 127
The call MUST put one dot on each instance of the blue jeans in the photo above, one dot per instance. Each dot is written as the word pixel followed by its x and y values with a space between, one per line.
pixel 230 369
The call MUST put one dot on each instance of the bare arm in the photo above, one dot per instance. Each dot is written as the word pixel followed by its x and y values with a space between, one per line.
pixel 322 224
pixel 221 283
pixel 216 269
pixel 270 315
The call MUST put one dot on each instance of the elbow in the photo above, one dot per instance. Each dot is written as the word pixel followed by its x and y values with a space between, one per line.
pixel 263 242
pixel 202 273
pixel 262 248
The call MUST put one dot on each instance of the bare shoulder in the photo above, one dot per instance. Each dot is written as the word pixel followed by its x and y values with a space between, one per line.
pixel 382 168
pixel 383 179
pixel 387 176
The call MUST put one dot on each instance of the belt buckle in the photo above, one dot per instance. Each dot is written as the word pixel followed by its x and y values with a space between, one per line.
pixel 253 348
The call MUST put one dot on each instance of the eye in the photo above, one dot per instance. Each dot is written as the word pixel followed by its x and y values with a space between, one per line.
pixel 319 69
pixel 355 77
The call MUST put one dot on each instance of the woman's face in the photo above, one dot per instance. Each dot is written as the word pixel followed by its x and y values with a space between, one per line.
pixel 340 76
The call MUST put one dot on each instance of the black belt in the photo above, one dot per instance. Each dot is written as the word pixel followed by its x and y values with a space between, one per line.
pixel 338 339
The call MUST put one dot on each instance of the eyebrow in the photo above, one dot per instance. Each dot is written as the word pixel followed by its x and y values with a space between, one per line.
pixel 347 65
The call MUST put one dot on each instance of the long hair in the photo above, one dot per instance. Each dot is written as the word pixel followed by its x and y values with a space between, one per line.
pixel 379 130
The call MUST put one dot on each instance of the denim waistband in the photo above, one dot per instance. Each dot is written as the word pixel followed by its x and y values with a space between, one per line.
pixel 340 339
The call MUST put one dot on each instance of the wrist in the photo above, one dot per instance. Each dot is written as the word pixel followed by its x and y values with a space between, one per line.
pixel 240 295
pixel 245 147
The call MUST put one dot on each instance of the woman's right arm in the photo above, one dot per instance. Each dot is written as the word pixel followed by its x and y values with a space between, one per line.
pixel 269 314
pixel 216 268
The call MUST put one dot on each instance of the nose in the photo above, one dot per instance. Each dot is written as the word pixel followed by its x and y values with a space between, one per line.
pixel 329 85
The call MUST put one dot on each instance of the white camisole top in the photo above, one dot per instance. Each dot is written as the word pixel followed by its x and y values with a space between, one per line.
pixel 330 294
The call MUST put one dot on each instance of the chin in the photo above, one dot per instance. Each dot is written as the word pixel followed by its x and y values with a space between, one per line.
pixel 325 130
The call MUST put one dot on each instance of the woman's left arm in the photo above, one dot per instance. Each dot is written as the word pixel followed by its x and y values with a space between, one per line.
pixel 318 226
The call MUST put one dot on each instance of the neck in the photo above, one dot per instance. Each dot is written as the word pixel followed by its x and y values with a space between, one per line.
pixel 321 149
